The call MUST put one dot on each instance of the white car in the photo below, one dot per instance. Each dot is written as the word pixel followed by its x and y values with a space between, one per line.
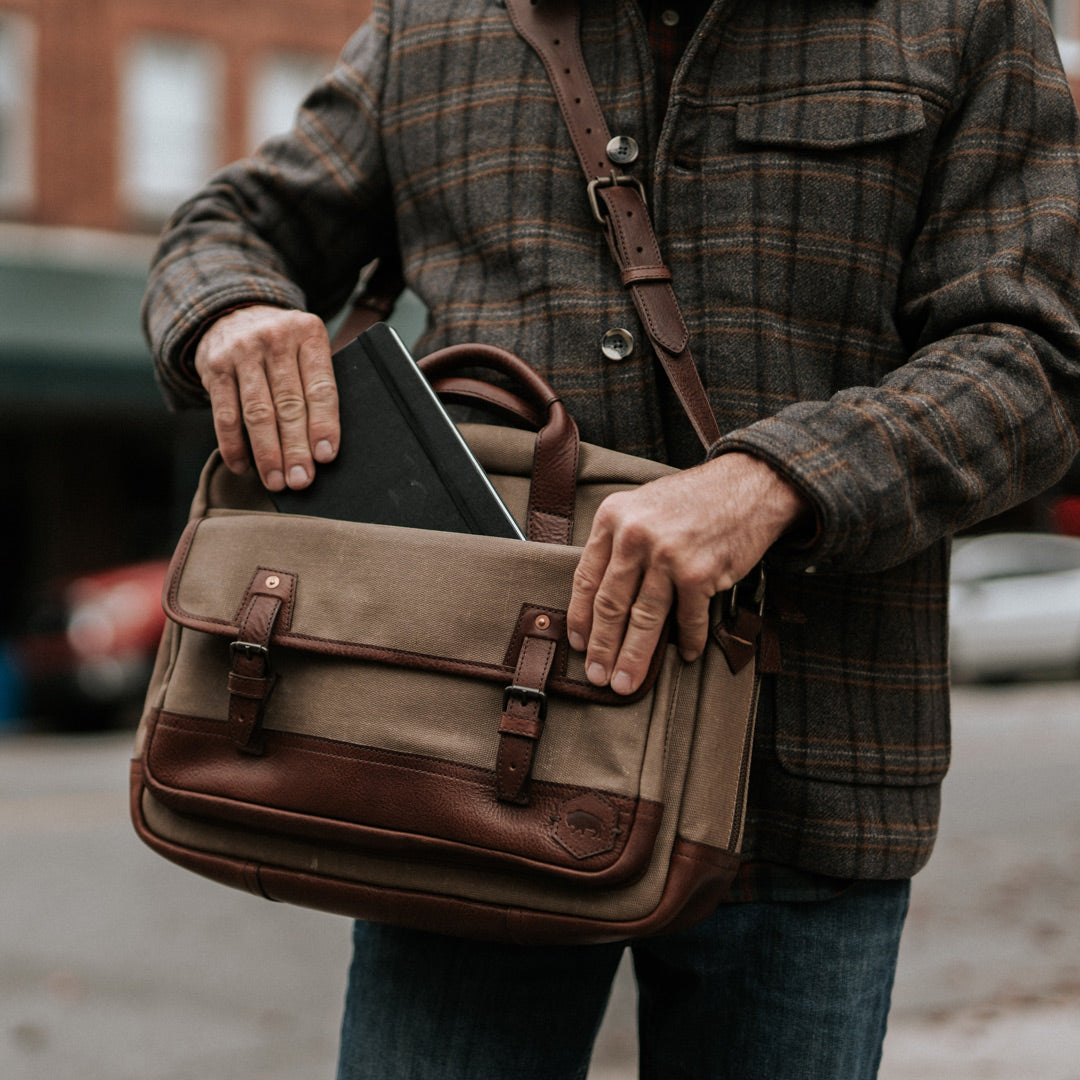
pixel 1014 606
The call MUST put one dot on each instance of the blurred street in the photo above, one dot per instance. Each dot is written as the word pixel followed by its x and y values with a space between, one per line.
pixel 115 965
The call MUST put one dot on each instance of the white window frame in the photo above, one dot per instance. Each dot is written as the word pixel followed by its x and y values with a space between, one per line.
pixel 18 81
pixel 276 92
pixel 172 118
pixel 1065 15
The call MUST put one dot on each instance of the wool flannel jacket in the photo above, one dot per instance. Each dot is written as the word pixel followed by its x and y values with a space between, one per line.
pixel 870 210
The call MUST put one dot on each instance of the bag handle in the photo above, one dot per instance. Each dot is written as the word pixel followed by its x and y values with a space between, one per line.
pixel 617 200
pixel 550 517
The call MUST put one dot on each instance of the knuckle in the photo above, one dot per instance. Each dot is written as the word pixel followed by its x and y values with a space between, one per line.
pixel 646 616
pixel 607 606
pixel 694 578
pixel 290 407
pixel 258 413
pixel 227 417
pixel 636 534
pixel 584 580
pixel 322 391
pixel 305 322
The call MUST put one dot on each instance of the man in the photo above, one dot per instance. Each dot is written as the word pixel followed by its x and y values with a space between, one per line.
pixel 869 209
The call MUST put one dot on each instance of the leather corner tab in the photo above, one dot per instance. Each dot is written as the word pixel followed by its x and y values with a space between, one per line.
pixel 546 623
pixel 275 584
pixel 738 637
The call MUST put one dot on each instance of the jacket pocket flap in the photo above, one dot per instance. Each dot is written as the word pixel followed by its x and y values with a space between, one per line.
pixel 830 120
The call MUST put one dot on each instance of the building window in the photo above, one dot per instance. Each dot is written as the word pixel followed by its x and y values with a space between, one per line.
pixel 1065 15
pixel 281 82
pixel 1062 14
pixel 17 45
pixel 172 120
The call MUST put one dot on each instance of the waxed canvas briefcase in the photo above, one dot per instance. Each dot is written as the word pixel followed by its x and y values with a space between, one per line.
pixel 388 722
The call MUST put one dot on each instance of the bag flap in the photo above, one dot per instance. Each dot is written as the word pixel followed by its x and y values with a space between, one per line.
pixel 408 597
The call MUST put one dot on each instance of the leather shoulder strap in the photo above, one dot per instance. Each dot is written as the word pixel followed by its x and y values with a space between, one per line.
pixel 552 28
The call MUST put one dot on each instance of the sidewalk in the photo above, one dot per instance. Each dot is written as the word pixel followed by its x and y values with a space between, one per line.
pixel 116 965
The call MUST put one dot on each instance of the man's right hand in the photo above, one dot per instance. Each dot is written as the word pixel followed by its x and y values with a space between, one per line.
pixel 268 370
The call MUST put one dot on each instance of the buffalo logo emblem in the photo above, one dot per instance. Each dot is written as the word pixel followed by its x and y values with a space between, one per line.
pixel 586 825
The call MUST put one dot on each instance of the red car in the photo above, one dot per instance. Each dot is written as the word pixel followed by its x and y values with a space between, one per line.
pixel 85 658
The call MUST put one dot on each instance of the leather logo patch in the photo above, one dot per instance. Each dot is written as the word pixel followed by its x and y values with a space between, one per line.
pixel 586 825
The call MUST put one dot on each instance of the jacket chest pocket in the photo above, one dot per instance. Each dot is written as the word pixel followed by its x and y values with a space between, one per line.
pixel 825 166
pixel 810 201
pixel 830 121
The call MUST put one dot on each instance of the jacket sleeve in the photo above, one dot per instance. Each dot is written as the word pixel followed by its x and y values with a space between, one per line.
pixel 290 226
pixel 985 413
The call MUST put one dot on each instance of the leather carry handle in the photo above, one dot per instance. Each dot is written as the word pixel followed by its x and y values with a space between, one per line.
pixel 465 391
pixel 550 517
pixel 552 28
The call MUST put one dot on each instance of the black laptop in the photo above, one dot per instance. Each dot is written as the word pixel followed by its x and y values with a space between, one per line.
pixel 402 461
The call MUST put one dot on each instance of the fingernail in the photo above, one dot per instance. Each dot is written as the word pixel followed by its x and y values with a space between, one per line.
pixel 688 656
pixel 275 481
pixel 577 642
pixel 621 684
pixel 324 451
pixel 597 675
pixel 297 477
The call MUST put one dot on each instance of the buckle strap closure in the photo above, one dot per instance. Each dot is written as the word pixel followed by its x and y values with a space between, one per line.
pixel 613 180
pixel 524 710
pixel 267 605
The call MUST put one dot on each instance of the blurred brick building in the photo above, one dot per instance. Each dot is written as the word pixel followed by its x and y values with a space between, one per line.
pixel 111 111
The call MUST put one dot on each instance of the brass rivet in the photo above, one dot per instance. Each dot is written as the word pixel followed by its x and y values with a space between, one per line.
pixel 273 581
pixel 542 622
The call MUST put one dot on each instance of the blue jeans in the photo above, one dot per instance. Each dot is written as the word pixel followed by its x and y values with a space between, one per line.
pixel 759 991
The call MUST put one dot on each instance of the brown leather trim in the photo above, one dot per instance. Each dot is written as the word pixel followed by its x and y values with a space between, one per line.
pixel 340 794
pixel 697 878
pixel 234 872
pixel 501 674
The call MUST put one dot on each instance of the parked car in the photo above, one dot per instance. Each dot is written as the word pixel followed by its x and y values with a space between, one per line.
pixel 1015 606
pixel 84 659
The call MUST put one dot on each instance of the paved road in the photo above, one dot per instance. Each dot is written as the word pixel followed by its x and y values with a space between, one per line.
pixel 115 965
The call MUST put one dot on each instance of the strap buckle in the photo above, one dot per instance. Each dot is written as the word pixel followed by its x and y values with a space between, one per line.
pixel 614 180
pixel 758 597
pixel 527 693
pixel 250 649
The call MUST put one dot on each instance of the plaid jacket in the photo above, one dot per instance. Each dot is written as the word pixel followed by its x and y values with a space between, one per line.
pixel 871 214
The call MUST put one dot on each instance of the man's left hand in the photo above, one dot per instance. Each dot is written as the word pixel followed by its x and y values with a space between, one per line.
pixel 677 541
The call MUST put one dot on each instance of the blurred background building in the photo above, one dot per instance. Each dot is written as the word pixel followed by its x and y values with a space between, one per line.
pixel 111 112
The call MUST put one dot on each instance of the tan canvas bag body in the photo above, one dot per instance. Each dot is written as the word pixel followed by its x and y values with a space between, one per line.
pixel 388 723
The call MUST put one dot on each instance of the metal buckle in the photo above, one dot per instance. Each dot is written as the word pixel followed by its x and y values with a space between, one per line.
pixel 529 694
pixel 611 181
pixel 759 594
pixel 250 649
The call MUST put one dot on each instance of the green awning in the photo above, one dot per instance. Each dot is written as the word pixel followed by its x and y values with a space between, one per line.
pixel 69 333
pixel 69 322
